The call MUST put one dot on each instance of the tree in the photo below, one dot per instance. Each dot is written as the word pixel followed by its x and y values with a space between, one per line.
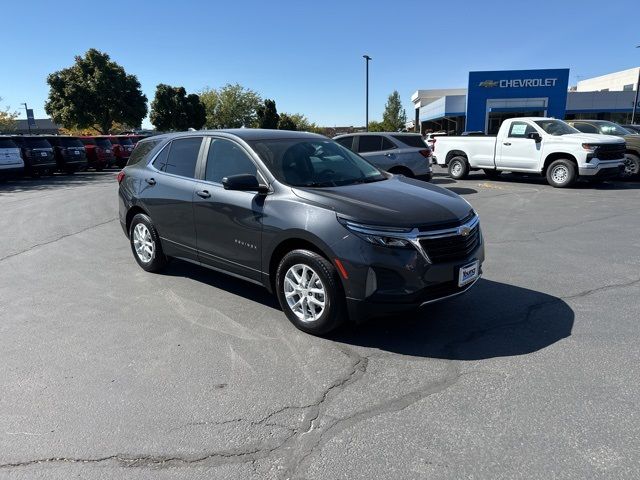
pixel 173 109
pixel 377 126
pixel 232 106
pixel 394 116
pixel 268 115
pixel 286 122
pixel 7 120
pixel 94 93
pixel 303 124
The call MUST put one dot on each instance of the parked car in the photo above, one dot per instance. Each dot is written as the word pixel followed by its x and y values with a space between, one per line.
pixel 99 152
pixel 11 162
pixel 632 139
pixel 122 148
pixel 333 236
pixel 37 154
pixel 431 138
pixel 398 153
pixel 534 145
pixel 632 128
pixel 69 153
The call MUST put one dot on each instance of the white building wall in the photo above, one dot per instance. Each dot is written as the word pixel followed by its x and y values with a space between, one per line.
pixel 613 82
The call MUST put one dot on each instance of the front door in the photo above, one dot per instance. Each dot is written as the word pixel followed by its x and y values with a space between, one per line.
pixel 516 150
pixel 228 223
pixel 378 150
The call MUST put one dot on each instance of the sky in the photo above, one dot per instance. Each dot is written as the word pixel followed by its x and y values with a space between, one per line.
pixel 307 55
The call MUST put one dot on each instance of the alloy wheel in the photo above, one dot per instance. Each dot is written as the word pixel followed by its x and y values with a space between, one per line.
pixel 305 293
pixel 143 243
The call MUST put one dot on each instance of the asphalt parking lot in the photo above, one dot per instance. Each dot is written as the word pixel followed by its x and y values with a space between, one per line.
pixel 112 372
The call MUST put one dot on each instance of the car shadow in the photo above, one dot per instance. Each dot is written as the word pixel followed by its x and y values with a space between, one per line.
pixel 492 320
pixel 462 190
pixel 56 181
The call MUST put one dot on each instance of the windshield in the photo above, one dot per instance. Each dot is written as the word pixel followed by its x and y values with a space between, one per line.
pixel 314 163
pixel 7 143
pixel 37 143
pixel 70 142
pixel 556 127
pixel 103 142
pixel 610 128
pixel 125 141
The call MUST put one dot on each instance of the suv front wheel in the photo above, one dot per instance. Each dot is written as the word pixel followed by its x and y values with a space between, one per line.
pixel 309 292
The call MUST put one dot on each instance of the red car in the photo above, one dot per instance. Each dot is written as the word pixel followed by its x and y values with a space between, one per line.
pixel 99 152
pixel 122 148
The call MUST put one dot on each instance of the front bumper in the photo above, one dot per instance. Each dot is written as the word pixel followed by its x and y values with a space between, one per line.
pixel 601 168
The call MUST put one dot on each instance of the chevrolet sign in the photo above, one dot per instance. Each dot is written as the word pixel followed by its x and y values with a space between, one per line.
pixel 520 83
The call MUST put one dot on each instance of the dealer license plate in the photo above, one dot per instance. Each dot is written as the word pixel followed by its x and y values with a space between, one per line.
pixel 468 273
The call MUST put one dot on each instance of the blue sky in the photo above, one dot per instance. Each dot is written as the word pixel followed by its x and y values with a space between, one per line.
pixel 308 55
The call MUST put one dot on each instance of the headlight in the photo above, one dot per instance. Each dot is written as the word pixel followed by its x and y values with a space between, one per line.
pixel 589 147
pixel 379 235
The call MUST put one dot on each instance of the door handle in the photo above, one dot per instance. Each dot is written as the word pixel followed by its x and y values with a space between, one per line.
pixel 506 143
pixel 150 181
pixel 203 194
pixel 388 155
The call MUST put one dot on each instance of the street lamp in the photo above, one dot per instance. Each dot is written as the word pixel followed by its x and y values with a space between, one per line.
pixel 635 102
pixel 27 112
pixel 366 60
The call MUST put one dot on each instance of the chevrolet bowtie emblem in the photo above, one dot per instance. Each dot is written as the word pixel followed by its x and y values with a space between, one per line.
pixel 464 230
pixel 488 84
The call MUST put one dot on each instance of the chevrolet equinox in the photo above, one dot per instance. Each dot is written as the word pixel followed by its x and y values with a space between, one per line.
pixel 331 235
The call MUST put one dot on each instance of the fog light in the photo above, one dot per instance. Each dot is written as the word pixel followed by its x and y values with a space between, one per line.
pixel 372 283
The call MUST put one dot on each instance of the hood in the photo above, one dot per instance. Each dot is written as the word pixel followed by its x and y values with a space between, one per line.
pixel 397 201
pixel 590 138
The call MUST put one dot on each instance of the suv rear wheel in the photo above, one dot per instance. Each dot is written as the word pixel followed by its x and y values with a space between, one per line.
pixel 145 244
pixel 309 292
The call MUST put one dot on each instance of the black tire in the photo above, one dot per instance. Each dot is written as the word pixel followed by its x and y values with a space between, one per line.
pixel 334 312
pixel 158 259
pixel 561 173
pixel 492 173
pixel 631 166
pixel 458 168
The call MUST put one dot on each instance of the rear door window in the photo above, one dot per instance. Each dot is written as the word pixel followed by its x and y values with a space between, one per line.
pixel 180 158
pixel 387 144
pixel 369 143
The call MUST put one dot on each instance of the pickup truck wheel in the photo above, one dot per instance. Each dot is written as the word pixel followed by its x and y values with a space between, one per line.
pixel 491 173
pixel 561 173
pixel 309 292
pixel 458 168
pixel 631 166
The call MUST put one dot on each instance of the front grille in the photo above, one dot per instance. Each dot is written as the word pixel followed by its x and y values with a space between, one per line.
pixel 445 225
pixel 614 151
pixel 450 248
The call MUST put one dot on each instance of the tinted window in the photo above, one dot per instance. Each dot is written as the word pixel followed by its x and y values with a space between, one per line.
pixel 346 142
pixel 226 158
pixel 181 158
pixel 103 143
pixel 520 130
pixel 610 128
pixel 7 143
pixel 585 127
pixel 141 151
pixel 387 144
pixel 70 142
pixel 125 141
pixel 411 140
pixel 88 141
pixel 369 143
pixel 37 143
pixel 556 127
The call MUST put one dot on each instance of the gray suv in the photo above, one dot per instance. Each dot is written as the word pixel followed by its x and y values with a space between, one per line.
pixel 400 153
pixel 334 237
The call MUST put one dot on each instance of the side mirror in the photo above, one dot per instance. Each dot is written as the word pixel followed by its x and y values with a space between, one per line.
pixel 535 136
pixel 244 182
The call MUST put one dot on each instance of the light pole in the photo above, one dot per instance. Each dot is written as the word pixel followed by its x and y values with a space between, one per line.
pixel 26 110
pixel 635 102
pixel 366 61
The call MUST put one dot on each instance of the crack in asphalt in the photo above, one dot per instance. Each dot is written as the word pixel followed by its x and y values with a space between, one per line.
pixel 62 237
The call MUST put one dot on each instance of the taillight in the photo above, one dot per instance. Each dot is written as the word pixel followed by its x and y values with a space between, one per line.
pixel 425 153
pixel 120 176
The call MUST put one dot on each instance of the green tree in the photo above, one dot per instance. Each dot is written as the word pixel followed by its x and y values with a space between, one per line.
pixel 232 106
pixel 7 120
pixel 394 116
pixel 377 126
pixel 286 122
pixel 268 115
pixel 95 92
pixel 173 109
pixel 303 124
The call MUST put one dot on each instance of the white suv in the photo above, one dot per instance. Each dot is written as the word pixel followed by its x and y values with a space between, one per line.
pixel 400 153
pixel 10 159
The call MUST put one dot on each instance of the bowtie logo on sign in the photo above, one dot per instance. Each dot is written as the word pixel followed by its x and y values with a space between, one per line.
pixel 519 83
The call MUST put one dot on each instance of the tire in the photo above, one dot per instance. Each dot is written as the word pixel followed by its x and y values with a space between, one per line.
pixel 561 173
pixel 631 166
pixel 291 289
pixel 458 168
pixel 142 230
pixel 492 173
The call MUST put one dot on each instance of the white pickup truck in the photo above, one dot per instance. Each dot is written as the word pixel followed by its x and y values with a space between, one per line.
pixel 538 145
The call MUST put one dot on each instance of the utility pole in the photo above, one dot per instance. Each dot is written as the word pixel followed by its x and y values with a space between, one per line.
pixel 635 102
pixel 367 58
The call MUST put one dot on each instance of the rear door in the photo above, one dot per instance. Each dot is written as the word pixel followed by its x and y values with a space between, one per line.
pixel 516 150
pixel 378 150
pixel 167 193
pixel 228 223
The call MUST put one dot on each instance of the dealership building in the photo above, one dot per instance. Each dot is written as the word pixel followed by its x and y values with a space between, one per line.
pixel 492 97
